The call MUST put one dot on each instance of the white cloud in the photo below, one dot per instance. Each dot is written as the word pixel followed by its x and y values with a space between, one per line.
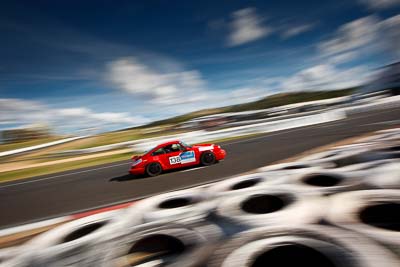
pixel 296 30
pixel 353 35
pixel 379 4
pixel 365 36
pixel 134 77
pixel 343 58
pixel 324 77
pixel 22 112
pixel 246 27
pixel 173 93
pixel 74 112
pixel 160 87
pixel 118 118
pixel 391 28
pixel 17 110
pixel 103 117
pixel 319 77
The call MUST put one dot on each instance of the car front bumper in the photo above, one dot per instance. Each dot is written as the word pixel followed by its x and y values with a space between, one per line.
pixel 220 155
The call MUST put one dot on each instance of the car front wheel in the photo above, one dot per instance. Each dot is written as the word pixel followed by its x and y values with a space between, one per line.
pixel 153 169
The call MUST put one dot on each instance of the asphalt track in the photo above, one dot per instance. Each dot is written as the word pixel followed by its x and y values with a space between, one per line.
pixel 62 193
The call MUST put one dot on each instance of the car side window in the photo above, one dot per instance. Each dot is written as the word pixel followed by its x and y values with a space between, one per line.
pixel 173 148
pixel 159 151
pixel 178 147
pixel 168 149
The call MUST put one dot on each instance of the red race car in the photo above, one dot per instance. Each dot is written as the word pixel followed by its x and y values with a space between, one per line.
pixel 173 155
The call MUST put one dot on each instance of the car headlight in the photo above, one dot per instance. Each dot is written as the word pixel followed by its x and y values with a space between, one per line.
pixel 137 162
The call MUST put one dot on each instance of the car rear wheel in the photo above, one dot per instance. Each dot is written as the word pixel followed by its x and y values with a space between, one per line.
pixel 153 169
pixel 207 158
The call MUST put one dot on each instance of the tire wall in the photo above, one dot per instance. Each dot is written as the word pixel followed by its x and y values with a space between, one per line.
pixel 340 207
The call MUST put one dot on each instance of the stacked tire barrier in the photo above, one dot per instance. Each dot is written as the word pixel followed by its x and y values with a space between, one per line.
pixel 339 207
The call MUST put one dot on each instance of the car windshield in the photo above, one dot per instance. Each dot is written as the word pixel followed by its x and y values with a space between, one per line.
pixel 185 145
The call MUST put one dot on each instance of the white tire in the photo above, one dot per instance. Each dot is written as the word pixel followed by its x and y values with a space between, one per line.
pixel 71 243
pixel 383 136
pixel 391 131
pixel 289 170
pixel 367 155
pixel 292 167
pixel 163 245
pixel 240 184
pixel 342 158
pixel 385 175
pixel 332 154
pixel 327 182
pixel 271 206
pixel 310 246
pixel 374 156
pixel 364 167
pixel 358 146
pixel 374 213
pixel 10 257
pixel 192 204
pixel 389 149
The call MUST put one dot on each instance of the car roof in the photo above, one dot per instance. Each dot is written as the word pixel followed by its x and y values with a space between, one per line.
pixel 169 143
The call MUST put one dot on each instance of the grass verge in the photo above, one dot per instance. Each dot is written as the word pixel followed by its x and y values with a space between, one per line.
pixel 31 172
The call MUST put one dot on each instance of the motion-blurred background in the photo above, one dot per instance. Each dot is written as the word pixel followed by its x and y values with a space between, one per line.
pixel 95 73
pixel 312 85
pixel 83 68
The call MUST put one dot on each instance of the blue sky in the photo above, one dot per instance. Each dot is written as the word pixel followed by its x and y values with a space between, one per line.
pixel 108 65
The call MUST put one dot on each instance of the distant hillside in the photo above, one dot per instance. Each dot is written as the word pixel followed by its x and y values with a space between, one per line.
pixel 187 117
pixel 289 98
pixel 267 102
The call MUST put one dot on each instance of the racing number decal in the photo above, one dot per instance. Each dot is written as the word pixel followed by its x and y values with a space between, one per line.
pixel 174 160
pixel 185 157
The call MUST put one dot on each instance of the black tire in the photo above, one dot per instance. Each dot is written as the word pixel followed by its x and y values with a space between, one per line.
pixel 153 169
pixel 207 158
pixel 336 246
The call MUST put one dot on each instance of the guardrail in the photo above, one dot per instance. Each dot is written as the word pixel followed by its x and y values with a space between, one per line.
pixel 31 148
pixel 378 104
pixel 203 136
pixel 268 126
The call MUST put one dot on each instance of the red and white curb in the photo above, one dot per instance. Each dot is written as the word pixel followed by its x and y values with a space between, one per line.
pixel 63 219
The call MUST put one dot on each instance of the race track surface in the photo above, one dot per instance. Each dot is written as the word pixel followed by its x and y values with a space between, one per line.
pixel 62 193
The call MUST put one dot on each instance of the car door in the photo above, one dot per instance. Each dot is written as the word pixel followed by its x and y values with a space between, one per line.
pixel 172 156
pixel 188 156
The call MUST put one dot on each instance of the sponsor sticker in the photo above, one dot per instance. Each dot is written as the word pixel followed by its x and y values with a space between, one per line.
pixel 184 157
pixel 187 157
pixel 204 148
